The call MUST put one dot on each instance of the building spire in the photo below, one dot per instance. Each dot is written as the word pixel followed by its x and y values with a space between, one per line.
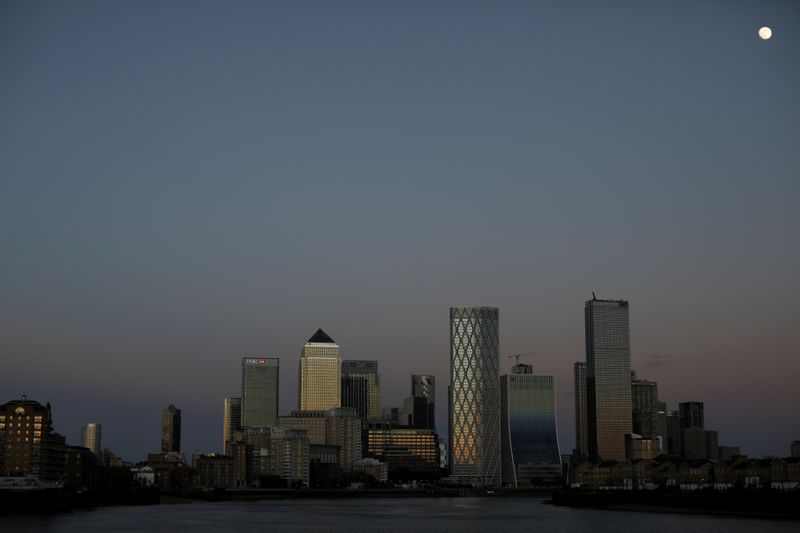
pixel 321 337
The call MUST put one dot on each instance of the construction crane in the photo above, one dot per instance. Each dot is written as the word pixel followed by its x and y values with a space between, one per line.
pixel 516 356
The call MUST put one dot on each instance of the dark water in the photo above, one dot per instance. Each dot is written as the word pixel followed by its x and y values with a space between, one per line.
pixel 436 515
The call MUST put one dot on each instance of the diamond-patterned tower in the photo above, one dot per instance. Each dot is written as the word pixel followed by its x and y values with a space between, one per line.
pixel 474 396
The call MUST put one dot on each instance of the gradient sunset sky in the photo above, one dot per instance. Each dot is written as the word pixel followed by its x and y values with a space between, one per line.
pixel 186 183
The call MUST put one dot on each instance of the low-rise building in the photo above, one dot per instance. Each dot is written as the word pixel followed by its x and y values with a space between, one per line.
pixel 377 469
pixel 80 469
pixel 214 471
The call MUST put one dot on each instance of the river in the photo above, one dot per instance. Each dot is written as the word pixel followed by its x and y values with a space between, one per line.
pixel 400 515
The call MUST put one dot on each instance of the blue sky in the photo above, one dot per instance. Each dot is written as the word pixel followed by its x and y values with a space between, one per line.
pixel 183 184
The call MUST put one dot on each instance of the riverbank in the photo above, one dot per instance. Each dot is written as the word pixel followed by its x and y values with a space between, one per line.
pixel 751 503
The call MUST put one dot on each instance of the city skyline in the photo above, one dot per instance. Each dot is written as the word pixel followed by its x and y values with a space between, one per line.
pixel 189 184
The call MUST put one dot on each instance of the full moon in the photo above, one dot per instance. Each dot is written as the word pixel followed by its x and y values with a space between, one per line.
pixel 765 33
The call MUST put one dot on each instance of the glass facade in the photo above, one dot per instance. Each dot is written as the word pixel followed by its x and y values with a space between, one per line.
pixel 644 405
pixel 260 378
pixel 581 412
pixel 425 386
pixel 531 454
pixel 320 374
pixel 91 438
pixel 231 420
pixel 171 430
pixel 361 388
pixel 474 396
pixel 692 415
pixel 608 378
pixel 419 443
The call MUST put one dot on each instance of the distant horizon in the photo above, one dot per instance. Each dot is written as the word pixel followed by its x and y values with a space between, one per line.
pixel 441 417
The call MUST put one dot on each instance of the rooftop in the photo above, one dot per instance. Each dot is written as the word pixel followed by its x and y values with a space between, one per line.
pixel 321 337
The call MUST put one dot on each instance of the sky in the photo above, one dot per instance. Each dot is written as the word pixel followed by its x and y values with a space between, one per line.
pixel 187 183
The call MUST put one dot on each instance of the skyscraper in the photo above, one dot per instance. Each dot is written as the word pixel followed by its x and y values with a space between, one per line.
pixel 90 438
pixel 231 420
pixel 171 429
pixel 474 395
pixel 417 412
pixel 608 377
pixel 425 386
pixel 361 388
pixel 663 426
pixel 529 437
pixel 320 374
pixel 260 378
pixel 694 436
pixel 674 433
pixel 581 414
pixel 644 407
pixel 692 415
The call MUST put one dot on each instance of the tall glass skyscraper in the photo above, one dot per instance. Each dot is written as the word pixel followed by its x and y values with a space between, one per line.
pixel 608 377
pixel 91 438
pixel 361 388
pixel 644 406
pixel 424 386
pixel 581 412
pixel 231 420
pixel 528 428
pixel 171 430
pixel 320 374
pixel 260 378
pixel 474 396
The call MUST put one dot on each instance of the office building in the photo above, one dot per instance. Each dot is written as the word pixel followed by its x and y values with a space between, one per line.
pixel 692 415
pixel 80 469
pixel 425 386
pixel 418 412
pixel 90 438
pixel 313 422
pixel 214 471
pixel 644 406
pixel 474 396
pixel 320 374
pixel 260 378
pixel 608 377
pixel 231 420
pixel 413 450
pixel 674 433
pixel 377 469
pixel 171 430
pixel 694 444
pixel 638 447
pixel 530 452
pixel 662 426
pixel 30 446
pixel 290 456
pixel 581 413
pixel 361 388
pixel 712 445
pixel 393 415
pixel 729 453
pixel 694 437
pixel 339 427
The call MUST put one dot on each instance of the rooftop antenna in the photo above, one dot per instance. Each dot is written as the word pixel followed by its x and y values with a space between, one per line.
pixel 593 296
pixel 516 356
